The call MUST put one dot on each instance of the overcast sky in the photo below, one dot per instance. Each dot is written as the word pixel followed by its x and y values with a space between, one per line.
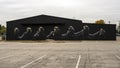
pixel 85 10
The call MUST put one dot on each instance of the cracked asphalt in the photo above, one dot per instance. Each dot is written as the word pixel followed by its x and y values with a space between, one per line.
pixel 60 54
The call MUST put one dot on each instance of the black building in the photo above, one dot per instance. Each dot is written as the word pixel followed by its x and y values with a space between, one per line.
pixel 50 27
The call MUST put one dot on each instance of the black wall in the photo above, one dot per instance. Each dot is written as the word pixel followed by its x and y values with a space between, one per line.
pixel 110 31
pixel 49 22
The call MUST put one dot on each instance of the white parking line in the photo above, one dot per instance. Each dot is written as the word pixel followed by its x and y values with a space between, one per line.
pixel 32 61
pixel 6 57
pixel 77 65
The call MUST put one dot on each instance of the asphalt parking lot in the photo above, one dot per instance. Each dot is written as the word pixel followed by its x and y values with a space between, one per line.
pixel 60 54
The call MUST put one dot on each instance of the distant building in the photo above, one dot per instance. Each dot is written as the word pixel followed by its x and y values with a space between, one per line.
pixel 50 27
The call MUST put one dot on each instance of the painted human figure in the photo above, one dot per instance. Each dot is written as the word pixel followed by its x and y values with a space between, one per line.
pixel 16 32
pixel 26 34
pixel 84 33
pixel 70 33
pixel 40 34
pixel 55 34
pixel 99 34
pixel 102 33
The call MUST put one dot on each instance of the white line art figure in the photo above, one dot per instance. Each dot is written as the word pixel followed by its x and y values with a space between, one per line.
pixel 99 34
pixel 69 32
pixel 55 33
pixel 84 33
pixel 28 30
pixel 40 30
pixel 16 30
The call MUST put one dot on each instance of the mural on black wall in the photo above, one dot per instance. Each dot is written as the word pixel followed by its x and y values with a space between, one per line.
pixel 16 30
pixel 70 33
pixel 99 34
pixel 40 33
pixel 26 33
pixel 55 33
pixel 43 27
pixel 85 33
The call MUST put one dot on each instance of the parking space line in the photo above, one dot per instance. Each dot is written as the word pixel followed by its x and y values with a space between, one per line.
pixel 32 61
pixel 6 57
pixel 77 65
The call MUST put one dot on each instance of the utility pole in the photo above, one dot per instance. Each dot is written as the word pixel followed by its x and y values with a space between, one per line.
pixel 0 29
pixel 119 27
pixel 0 26
pixel 109 22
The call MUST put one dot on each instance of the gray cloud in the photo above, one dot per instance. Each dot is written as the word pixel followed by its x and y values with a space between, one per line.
pixel 86 10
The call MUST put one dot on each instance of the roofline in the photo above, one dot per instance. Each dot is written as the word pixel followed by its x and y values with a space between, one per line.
pixel 44 15
pixel 98 24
